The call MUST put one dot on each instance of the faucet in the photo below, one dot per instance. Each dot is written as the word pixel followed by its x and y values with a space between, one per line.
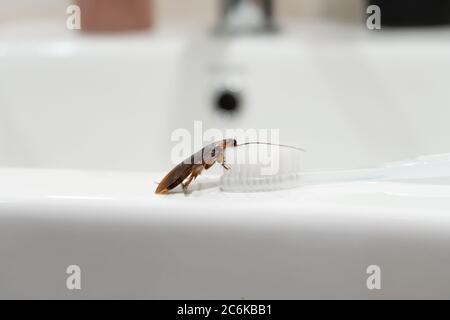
pixel 246 16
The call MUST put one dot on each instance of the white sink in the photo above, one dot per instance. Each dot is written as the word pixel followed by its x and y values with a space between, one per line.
pixel 311 242
pixel 85 128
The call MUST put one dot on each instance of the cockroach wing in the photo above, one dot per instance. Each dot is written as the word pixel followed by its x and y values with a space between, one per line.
pixel 176 176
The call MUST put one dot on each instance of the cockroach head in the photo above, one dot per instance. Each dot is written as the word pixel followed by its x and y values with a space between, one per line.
pixel 230 143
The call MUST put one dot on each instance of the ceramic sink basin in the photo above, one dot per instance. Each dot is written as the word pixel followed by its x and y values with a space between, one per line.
pixel 310 242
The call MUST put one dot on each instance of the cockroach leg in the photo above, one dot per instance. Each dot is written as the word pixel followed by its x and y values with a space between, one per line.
pixel 185 184
pixel 191 177
pixel 207 166
pixel 221 160
pixel 185 189
pixel 225 166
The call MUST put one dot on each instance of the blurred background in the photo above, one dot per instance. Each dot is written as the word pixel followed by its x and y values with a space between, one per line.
pixel 111 95
pixel 197 12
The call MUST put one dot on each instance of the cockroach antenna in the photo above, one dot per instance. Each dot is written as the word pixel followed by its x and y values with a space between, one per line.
pixel 271 144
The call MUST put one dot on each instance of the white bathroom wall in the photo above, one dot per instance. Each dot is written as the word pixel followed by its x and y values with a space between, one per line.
pixel 198 12
pixel 14 9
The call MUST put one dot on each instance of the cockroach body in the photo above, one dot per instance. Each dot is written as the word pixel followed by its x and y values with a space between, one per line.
pixel 185 172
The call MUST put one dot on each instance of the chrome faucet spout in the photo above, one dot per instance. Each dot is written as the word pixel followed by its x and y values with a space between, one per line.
pixel 246 16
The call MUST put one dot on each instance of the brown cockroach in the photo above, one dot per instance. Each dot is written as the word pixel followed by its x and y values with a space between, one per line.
pixel 186 171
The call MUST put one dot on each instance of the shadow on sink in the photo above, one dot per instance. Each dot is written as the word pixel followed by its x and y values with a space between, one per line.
pixel 201 184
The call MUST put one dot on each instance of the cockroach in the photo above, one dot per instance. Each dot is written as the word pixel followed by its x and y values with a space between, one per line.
pixel 189 169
